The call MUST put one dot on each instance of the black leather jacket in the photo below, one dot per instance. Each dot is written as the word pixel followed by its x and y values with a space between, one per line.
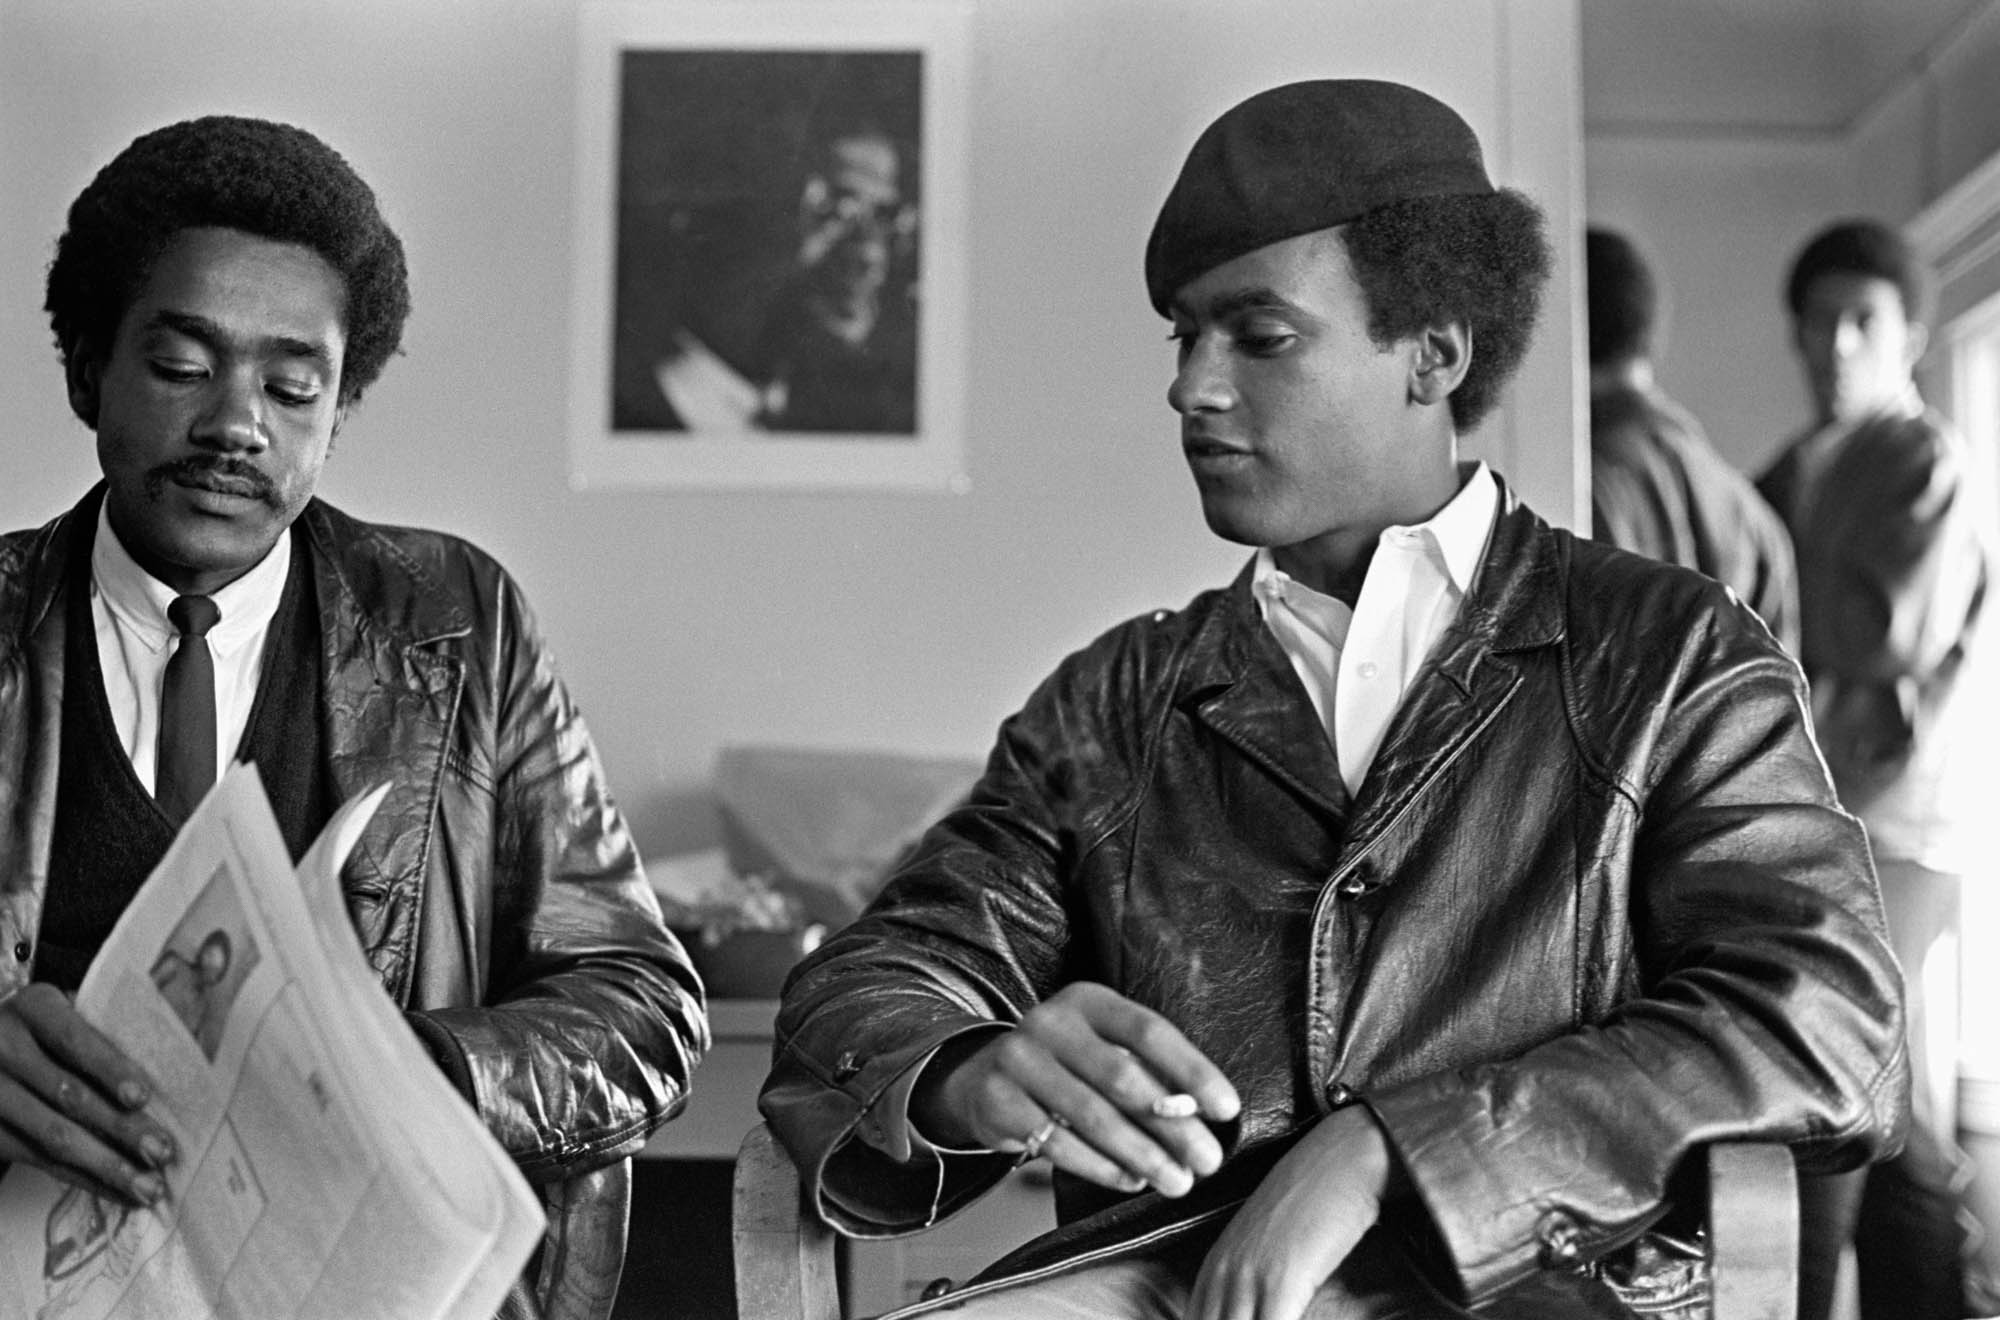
pixel 497 892
pixel 1594 906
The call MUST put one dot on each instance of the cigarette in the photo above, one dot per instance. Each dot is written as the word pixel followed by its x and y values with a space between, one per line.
pixel 1178 1105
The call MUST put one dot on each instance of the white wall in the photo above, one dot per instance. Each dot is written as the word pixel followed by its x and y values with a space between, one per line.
pixel 687 620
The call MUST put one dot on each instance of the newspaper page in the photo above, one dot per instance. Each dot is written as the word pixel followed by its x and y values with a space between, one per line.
pixel 327 1168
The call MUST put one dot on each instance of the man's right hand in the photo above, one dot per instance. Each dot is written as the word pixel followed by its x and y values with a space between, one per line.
pixel 1096 1066
pixel 71 1101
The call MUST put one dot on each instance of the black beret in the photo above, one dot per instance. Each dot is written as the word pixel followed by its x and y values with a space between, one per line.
pixel 1302 157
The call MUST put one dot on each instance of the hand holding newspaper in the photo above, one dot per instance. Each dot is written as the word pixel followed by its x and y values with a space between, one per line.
pixel 327 1168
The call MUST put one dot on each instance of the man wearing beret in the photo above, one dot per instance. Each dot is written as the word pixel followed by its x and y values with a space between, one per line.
pixel 1385 932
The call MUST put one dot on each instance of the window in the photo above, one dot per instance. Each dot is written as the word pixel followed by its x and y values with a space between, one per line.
pixel 1960 235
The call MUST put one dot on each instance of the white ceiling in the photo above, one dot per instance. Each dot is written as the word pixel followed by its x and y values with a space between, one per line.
pixel 1753 66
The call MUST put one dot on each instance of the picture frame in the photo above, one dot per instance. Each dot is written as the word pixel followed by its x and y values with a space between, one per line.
pixel 769 280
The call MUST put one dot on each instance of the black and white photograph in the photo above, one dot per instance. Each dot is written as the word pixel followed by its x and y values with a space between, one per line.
pixel 205 962
pixel 1032 659
pixel 769 205
pixel 777 291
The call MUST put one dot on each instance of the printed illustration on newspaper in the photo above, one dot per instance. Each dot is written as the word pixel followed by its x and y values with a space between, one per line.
pixel 327 1168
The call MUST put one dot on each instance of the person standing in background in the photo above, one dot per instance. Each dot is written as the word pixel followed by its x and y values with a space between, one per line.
pixel 1657 487
pixel 1895 565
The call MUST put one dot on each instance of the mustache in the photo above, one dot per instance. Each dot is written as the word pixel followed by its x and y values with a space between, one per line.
pixel 236 475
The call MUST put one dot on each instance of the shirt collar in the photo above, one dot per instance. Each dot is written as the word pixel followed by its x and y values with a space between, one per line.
pixel 1271 586
pixel 139 600
pixel 1455 535
pixel 1460 529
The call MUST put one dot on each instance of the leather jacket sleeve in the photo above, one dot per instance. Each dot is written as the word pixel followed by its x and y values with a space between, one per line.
pixel 1767 1006
pixel 972 933
pixel 592 1019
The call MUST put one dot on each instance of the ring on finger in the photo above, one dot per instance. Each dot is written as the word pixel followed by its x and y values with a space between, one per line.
pixel 1031 1145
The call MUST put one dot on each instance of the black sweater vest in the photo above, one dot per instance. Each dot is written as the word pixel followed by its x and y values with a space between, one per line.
pixel 109 832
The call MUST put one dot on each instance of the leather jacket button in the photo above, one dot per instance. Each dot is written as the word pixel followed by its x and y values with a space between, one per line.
pixel 1561 1238
pixel 935 1289
pixel 1354 886
pixel 848 1064
pixel 1339 1094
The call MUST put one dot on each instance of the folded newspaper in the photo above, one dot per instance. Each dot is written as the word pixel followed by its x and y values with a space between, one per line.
pixel 327 1167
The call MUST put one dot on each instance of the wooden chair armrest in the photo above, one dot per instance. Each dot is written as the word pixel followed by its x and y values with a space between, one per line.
pixel 1753 1230
pixel 784 1254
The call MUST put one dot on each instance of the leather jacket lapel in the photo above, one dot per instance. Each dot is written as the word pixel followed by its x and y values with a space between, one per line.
pixel 390 708
pixel 1514 605
pixel 1241 685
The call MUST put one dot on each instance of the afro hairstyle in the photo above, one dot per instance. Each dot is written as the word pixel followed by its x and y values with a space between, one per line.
pixel 1479 259
pixel 263 178
pixel 1859 247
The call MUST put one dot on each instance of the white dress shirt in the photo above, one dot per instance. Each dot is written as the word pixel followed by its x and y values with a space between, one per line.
pixel 135 641
pixel 1357 663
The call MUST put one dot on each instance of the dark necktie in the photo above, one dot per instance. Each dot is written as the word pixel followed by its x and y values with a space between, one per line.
pixel 185 765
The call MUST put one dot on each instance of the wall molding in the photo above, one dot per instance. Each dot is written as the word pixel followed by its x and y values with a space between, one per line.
pixel 1602 128
pixel 1921 67
pixel 1959 230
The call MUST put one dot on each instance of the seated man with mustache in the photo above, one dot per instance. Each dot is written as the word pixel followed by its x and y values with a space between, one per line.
pixel 224 292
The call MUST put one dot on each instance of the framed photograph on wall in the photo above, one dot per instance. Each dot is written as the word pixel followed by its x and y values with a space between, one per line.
pixel 770 257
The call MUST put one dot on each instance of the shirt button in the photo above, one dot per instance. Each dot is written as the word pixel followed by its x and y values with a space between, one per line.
pixel 1368 669
pixel 21 950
